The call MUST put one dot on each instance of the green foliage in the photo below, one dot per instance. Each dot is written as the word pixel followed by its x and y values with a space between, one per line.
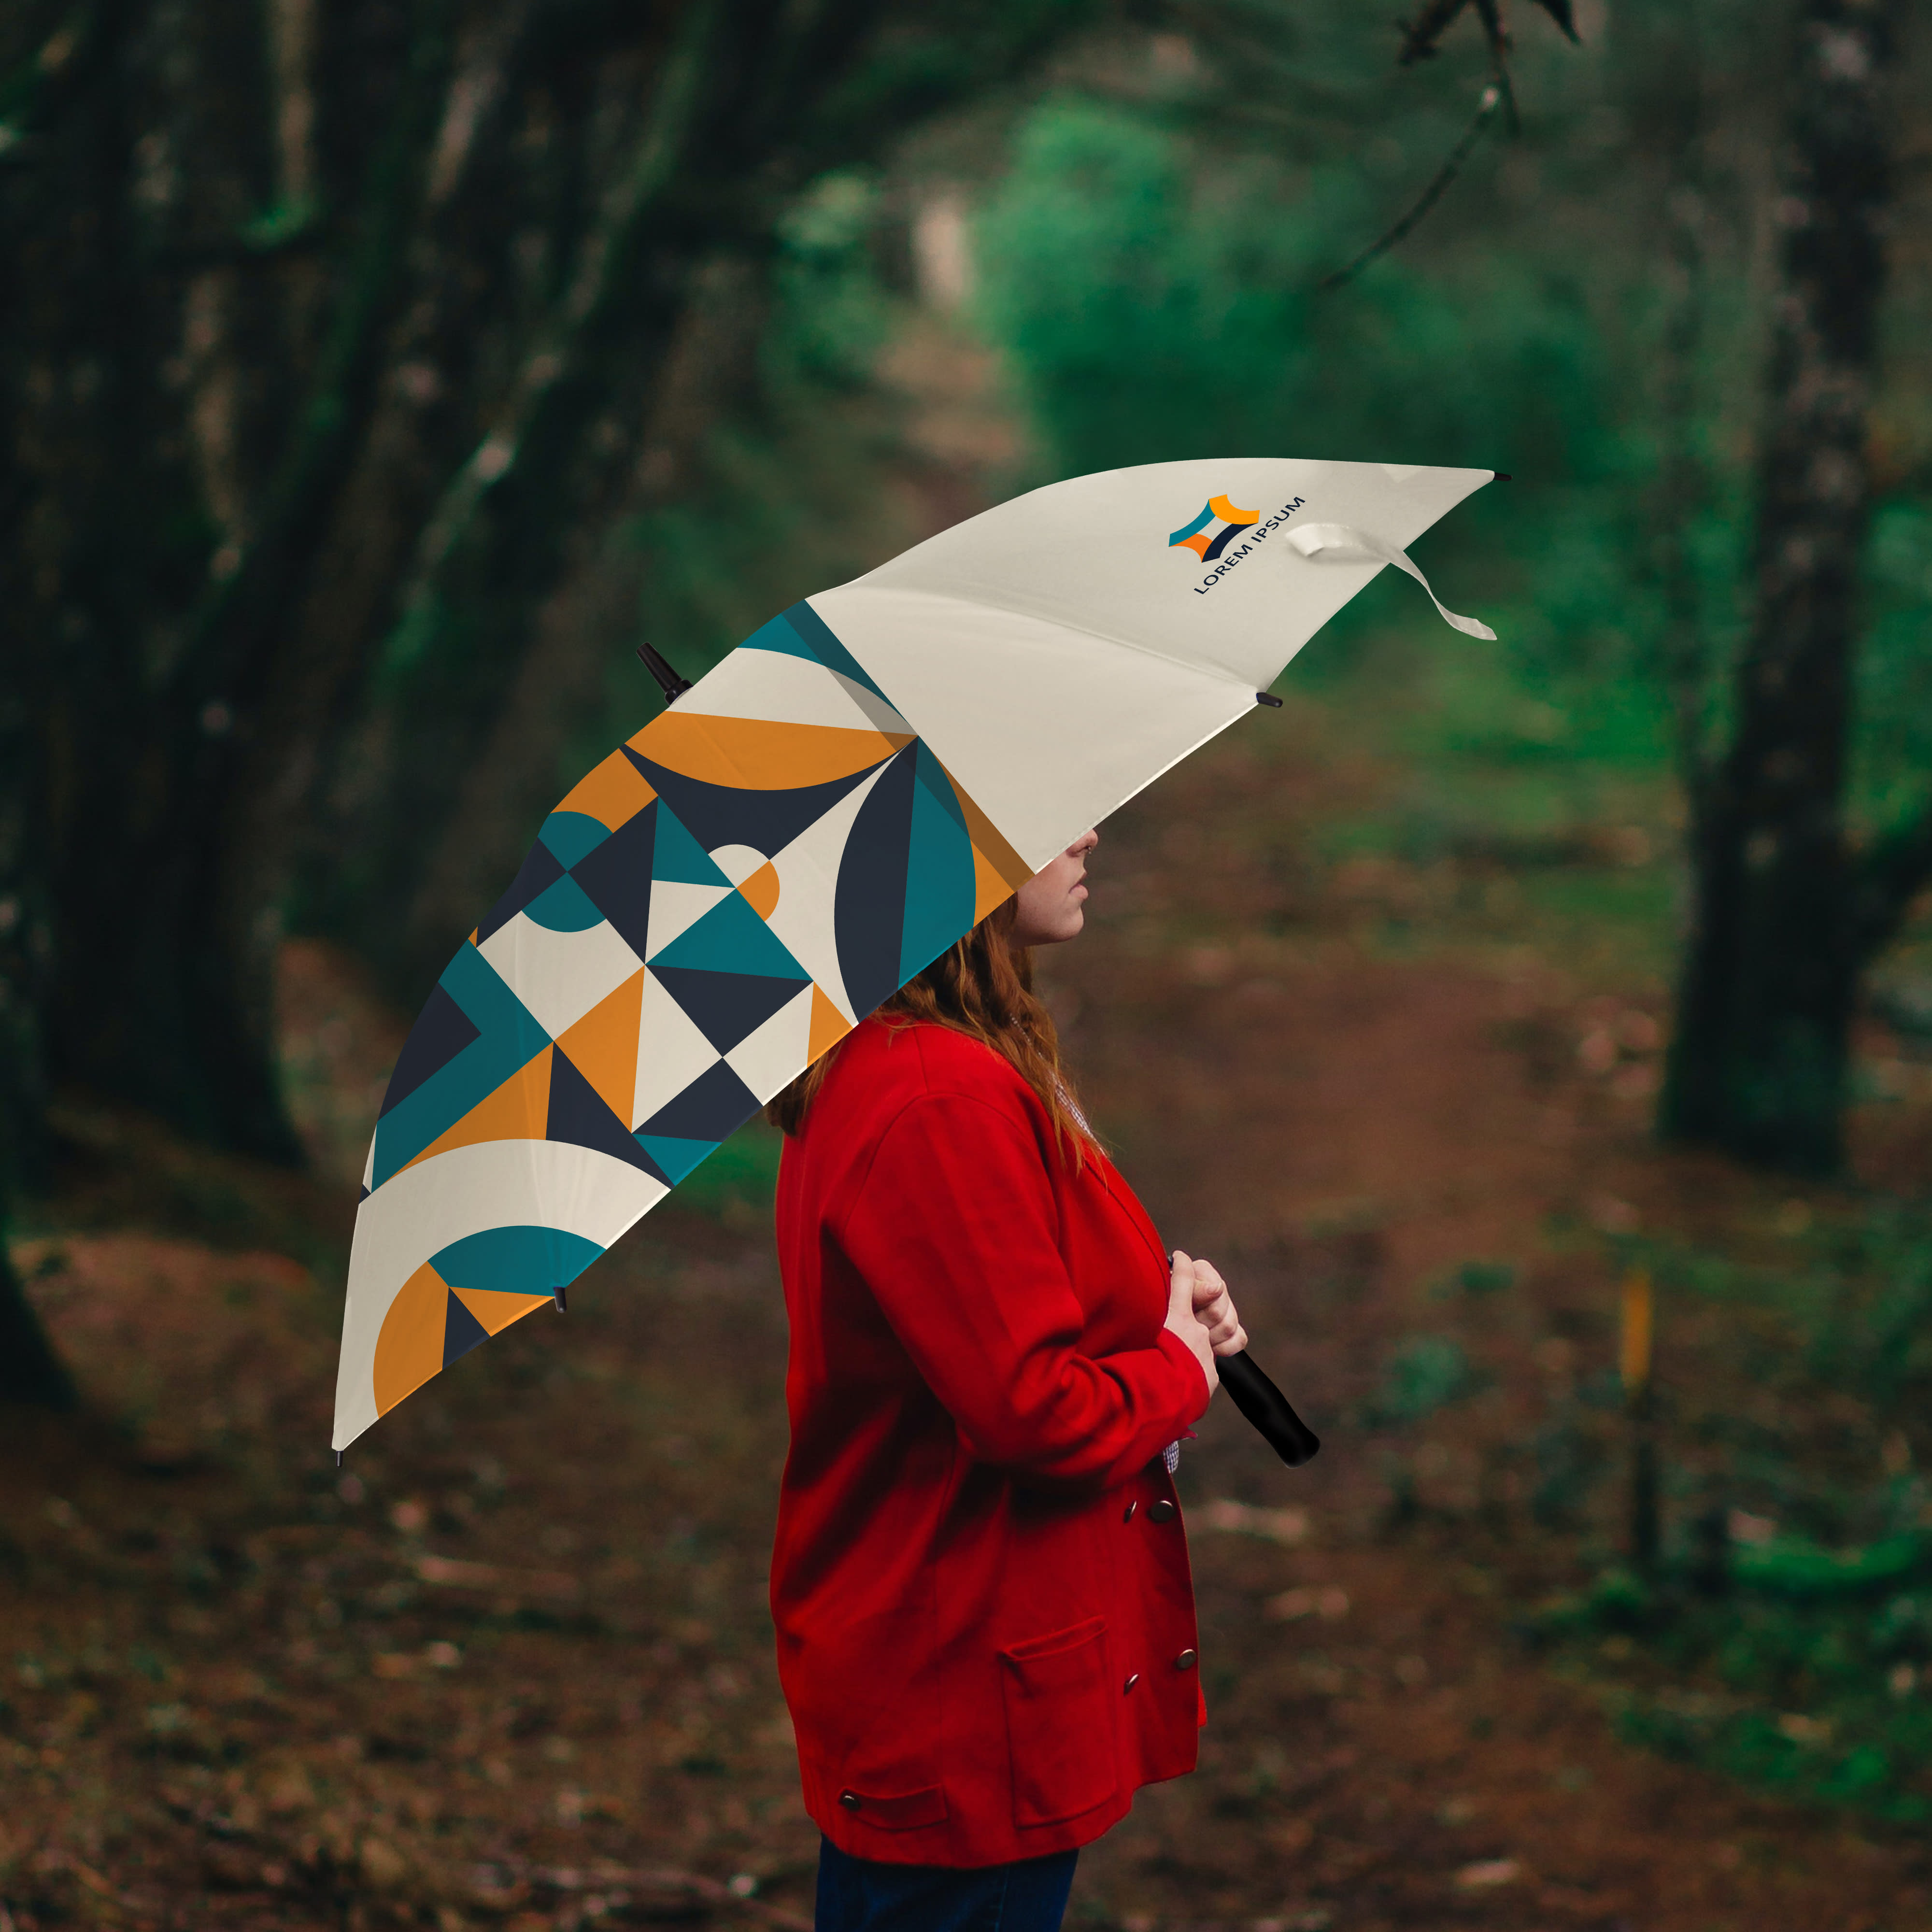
pixel 784 487
pixel 1157 302
pixel 1818 1692
pixel 1895 668
pixel 1791 1627
pixel 1157 305
pixel 1478 1280
pixel 740 1179
pixel 1423 1374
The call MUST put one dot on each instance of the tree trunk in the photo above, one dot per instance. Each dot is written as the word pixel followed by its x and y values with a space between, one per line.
pixel 30 1372
pixel 1758 1060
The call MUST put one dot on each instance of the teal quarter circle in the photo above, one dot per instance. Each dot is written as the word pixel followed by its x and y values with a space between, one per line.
pixel 940 889
pixel 516 1260
pixel 565 907
pixel 570 835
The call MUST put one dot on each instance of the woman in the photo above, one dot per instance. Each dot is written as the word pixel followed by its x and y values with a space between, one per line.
pixel 984 1619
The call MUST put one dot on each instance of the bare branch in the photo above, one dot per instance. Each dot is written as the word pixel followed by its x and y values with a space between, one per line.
pixel 1492 99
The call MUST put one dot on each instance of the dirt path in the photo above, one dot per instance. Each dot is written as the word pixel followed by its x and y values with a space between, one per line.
pixel 512 1668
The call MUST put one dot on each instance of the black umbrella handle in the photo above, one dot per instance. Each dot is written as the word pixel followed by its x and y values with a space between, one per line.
pixel 1267 1408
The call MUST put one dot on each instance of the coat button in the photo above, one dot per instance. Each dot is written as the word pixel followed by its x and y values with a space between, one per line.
pixel 1127 1514
pixel 1130 1683
pixel 850 1799
pixel 1162 1511
pixel 1185 1661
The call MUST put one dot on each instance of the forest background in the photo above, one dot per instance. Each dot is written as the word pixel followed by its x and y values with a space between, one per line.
pixel 379 376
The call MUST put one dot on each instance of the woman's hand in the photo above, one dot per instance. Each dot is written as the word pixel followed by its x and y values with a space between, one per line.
pixel 1213 1306
pixel 1183 1320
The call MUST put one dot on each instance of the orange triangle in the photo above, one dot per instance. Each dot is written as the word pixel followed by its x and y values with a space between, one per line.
pixel 603 1045
pixel 612 793
pixel 989 889
pixel 519 1110
pixel 496 1310
pixel 829 1025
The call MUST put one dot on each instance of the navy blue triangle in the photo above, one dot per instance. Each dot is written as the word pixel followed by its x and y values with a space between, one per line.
pixel 541 869
pixel 461 1331
pixel 715 1105
pixel 441 1031
pixel 579 1114
pixel 767 821
pixel 617 875
pixel 728 1006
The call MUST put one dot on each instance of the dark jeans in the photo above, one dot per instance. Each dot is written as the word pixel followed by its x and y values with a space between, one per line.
pixel 862 1895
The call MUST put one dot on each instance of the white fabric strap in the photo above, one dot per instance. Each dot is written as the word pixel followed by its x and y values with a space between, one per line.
pixel 1344 544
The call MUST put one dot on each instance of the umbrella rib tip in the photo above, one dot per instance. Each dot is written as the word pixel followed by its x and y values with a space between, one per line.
pixel 1268 698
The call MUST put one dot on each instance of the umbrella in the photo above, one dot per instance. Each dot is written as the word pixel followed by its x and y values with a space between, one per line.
pixel 796 835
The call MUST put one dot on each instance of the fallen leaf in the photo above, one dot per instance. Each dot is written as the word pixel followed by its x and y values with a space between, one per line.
pixel 1487 1872
pixel 1275 1525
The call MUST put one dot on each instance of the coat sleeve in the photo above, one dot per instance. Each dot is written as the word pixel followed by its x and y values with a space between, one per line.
pixel 954 1232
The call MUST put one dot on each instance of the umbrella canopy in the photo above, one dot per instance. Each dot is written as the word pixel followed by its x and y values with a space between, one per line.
pixel 814 822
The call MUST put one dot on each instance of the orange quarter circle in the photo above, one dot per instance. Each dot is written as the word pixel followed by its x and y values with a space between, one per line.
pixel 761 890
pixel 408 1350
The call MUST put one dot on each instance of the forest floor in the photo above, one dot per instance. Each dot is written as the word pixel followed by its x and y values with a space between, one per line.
pixel 511 1666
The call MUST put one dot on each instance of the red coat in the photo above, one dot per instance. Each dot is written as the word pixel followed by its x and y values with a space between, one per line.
pixel 986 1623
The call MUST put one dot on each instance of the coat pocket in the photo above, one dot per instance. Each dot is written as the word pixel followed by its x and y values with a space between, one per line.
pixel 1059 1723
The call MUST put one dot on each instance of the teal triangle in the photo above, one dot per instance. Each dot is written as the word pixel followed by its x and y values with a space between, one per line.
pixel 731 938
pixel 932 776
pixel 677 1158
pixel 676 856
pixel 801 632
pixel 940 883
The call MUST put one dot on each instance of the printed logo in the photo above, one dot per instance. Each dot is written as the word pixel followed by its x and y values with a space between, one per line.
pixel 1218 547
pixel 1194 536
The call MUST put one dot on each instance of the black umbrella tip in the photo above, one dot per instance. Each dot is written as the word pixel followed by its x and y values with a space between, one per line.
pixel 1268 698
pixel 1501 476
pixel 556 1296
pixel 673 686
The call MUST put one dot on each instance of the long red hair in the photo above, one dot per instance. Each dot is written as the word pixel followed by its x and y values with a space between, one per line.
pixel 981 986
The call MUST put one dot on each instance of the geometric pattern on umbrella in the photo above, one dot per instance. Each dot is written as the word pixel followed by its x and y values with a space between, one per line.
pixel 703 915
pixel 728 892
